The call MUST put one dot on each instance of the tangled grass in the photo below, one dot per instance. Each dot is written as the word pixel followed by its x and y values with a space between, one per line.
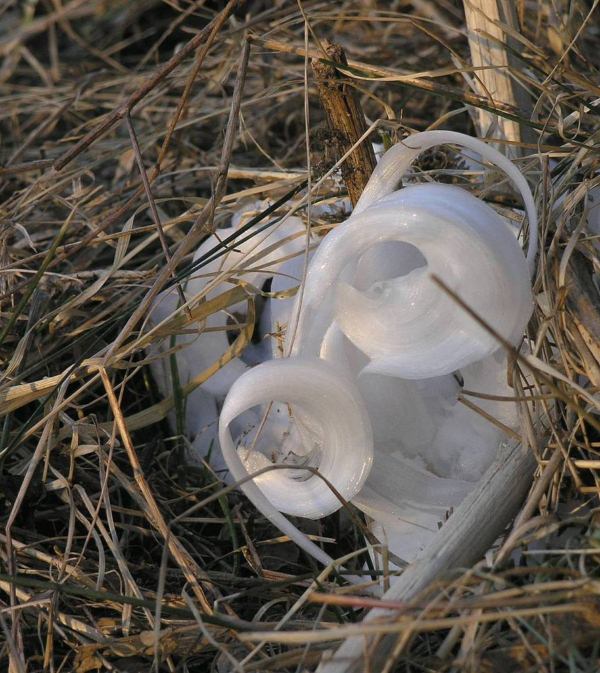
pixel 131 129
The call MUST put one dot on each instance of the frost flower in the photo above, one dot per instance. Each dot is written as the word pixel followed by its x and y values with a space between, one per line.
pixel 368 397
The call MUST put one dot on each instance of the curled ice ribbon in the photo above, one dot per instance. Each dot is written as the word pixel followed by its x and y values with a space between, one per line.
pixel 315 389
pixel 370 308
pixel 406 324
pixel 255 259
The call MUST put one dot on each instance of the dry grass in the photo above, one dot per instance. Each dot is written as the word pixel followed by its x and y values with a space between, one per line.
pixel 114 554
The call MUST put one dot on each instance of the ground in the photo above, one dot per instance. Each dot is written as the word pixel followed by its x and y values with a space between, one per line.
pixel 115 552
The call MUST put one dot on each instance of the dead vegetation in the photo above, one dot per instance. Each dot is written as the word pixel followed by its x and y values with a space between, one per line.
pixel 130 130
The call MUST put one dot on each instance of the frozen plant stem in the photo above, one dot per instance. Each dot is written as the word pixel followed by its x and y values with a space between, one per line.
pixel 345 119
pixel 488 39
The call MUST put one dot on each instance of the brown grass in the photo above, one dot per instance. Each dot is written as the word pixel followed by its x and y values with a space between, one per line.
pixel 116 555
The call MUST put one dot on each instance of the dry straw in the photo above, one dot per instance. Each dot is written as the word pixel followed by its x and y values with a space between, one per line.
pixel 131 130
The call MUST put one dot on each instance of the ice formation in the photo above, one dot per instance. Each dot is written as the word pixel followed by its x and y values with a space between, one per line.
pixel 376 355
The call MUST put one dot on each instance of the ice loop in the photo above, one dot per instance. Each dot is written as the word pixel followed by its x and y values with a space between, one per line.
pixel 368 400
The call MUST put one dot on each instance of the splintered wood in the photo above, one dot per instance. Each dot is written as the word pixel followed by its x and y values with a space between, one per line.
pixel 345 119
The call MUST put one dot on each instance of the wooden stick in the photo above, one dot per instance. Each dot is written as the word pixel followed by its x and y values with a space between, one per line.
pixel 345 119
pixel 487 42
pixel 583 301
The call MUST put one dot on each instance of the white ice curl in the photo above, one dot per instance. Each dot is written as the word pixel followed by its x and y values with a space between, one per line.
pixel 317 389
pixel 369 308
pixel 407 325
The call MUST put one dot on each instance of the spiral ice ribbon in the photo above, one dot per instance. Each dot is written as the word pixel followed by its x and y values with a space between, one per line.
pixel 316 389
pixel 369 307
pixel 407 325
pixel 255 258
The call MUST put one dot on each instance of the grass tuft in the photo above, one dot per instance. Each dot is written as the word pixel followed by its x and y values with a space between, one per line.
pixel 130 131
